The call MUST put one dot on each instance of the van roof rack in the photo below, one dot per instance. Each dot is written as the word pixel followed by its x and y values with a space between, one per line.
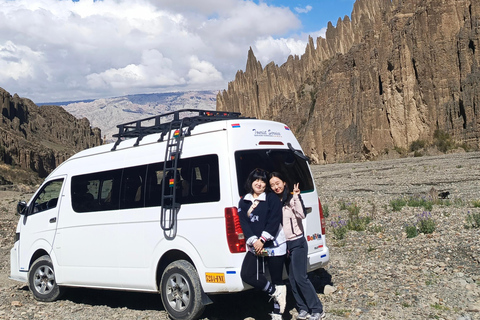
pixel 165 122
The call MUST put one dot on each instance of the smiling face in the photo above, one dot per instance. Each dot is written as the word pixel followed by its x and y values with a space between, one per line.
pixel 258 187
pixel 277 185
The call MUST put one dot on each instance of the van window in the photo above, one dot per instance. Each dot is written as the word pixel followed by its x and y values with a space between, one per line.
pixel 96 191
pixel 141 186
pixel 47 198
pixel 197 181
pixel 133 187
pixel 292 167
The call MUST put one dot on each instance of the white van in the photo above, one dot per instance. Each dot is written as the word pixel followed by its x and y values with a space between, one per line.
pixel 156 211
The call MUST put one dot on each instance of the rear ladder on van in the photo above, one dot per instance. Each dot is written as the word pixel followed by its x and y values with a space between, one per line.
pixel 175 128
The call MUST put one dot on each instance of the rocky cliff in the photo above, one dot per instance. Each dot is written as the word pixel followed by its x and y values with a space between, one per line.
pixel 390 75
pixel 39 138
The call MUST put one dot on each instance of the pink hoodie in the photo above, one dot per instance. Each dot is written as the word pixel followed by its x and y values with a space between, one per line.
pixel 292 218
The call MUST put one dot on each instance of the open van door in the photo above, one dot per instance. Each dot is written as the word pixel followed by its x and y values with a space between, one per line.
pixel 39 221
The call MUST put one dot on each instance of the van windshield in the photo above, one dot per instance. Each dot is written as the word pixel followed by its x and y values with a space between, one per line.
pixel 291 166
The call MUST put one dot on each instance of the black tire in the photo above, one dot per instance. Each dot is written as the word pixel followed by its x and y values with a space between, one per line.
pixel 41 280
pixel 181 291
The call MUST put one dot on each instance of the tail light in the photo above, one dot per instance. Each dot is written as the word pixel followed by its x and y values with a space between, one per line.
pixel 235 238
pixel 322 218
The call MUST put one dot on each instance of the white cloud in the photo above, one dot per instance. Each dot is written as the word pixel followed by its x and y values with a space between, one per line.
pixel 52 50
pixel 269 49
pixel 202 72
pixel 303 10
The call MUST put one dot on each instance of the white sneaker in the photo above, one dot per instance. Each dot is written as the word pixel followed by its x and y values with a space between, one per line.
pixel 318 316
pixel 303 315
pixel 276 316
pixel 280 296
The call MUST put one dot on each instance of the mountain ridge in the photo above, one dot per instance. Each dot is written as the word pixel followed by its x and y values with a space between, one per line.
pixel 107 113
pixel 394 73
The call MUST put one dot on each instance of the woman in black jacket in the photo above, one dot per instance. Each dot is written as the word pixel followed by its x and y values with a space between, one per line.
pixel 260 215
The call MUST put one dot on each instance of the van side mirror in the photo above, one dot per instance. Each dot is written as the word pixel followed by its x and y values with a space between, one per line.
pixel 21 207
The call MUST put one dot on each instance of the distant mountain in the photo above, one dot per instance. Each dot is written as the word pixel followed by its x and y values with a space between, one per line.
pixel 106 114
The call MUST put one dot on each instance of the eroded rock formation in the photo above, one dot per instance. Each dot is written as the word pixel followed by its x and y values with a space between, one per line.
pixel 392 74
pixel 40 138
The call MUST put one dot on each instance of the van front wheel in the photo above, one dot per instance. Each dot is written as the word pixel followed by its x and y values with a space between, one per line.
pixel 181 291
pixel 41 280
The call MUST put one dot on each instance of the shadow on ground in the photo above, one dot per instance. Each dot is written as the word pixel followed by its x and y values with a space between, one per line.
pixel 235 306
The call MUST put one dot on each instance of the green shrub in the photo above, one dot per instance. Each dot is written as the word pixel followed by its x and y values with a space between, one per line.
pixel 326 211
pixel 417 145
pixel 411 230
pixel 426 224
pixel 476 203
pixel 398 204
pixel 417 202
pixel 400 150
pixel 443 141
pixel 339 227
pixel 473 220
pixel 355 221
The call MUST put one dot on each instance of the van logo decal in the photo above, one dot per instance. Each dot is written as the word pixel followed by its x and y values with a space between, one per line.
pixel 236 125
pixel 314 236
pixel 266 133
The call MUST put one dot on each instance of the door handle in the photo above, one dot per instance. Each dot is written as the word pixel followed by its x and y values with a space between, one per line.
pixel 53 220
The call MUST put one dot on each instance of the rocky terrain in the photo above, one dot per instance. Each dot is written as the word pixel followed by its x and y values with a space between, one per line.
pixel 378 273
pixel 37 139
pixel 389 75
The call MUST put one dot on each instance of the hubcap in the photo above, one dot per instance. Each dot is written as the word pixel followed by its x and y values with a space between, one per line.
pixel 178 292
pixel 44 279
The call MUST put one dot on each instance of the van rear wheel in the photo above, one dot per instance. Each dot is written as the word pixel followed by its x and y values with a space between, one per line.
pixel 181 291
pixel 41 280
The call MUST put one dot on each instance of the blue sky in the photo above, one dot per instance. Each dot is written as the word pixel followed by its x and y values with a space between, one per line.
pixel 316 13
pixel 64 50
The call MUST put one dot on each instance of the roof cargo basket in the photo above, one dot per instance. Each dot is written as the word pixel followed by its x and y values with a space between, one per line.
pixel 186 118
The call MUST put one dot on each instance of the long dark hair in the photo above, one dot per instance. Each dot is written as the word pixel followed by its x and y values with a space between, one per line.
pixel 254 175
pixel 286 196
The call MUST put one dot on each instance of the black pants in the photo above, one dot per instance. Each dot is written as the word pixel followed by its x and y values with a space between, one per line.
pixel 305 295
pixel 253 270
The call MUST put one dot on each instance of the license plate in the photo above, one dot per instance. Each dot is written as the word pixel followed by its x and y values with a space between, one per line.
pixel 215 277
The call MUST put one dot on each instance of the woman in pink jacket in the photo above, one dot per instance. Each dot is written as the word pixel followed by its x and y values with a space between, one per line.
pixel 308 303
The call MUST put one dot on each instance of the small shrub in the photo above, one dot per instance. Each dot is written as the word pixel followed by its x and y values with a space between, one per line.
pixel 398 204
pixel 411 230
pixel 417 145
pixel 458 202
pixel 420 202
pixel 401 151
pixel 353 209
pixel 326 211
pixel 339 228
pixel 426 224
pixel 476 203
pixel 355 221
pixel 443 141
pixel 473 220
pixel 375 229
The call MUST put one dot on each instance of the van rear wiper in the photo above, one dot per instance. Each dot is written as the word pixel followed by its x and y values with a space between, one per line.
pixel 298 153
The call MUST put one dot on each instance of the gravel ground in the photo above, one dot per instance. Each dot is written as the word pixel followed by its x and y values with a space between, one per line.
pixel 378 273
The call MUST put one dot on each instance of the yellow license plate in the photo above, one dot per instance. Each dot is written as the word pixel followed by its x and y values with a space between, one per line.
pixel 215 277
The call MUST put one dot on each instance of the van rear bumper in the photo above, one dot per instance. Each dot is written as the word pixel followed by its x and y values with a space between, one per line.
pixel 318 260
pixel 15 273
